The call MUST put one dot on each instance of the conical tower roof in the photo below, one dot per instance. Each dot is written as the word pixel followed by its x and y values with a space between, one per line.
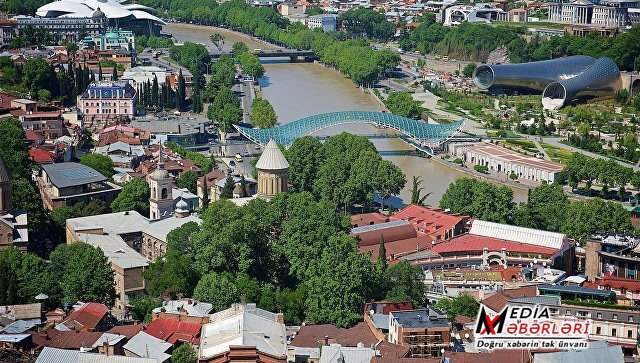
pixel 272 158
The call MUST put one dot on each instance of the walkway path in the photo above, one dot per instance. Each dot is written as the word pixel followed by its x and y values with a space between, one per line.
pixel 542 150
pixel 556 142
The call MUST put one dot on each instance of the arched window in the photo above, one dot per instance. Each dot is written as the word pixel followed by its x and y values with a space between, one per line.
pixel 154 192
pixel 165 194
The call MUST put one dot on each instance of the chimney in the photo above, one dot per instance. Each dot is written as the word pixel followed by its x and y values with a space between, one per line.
pixel 325 341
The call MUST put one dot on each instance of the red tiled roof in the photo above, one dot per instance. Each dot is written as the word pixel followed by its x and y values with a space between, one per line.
pixel 470 242
pixel 398 248
pixel 41 156
pixel 499 300
pixel 89 315
pixel 431 221
pixel 128 331
pixel 366 219
pixel 619 283
pixel 171 330
pixel 31 135
pixel 310 335
pixel 394 233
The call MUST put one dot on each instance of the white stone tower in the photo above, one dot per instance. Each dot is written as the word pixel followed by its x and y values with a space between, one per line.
pixel 273 171
pixel 161 200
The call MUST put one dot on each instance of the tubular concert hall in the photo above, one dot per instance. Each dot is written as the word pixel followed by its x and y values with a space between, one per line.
pixel 139 18
pixel 560 81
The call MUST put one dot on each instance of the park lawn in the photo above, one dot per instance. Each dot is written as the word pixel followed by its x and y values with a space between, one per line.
pixel 557 154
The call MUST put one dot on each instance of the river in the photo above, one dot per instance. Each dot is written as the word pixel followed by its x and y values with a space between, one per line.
pixel 298 90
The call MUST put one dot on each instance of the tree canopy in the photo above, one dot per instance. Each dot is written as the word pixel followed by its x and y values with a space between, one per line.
pixel 100 163
pixel 402 104
pixel 133 196
pixel 479 199
pixel 262 114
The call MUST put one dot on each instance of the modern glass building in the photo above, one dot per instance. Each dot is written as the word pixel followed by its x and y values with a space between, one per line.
pixel 600 80
pixel 560 80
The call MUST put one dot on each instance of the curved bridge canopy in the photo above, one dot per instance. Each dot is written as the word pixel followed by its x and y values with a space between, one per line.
pixel 288 133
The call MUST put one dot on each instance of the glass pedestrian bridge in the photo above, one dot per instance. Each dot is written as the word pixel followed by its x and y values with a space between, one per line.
pixel 418 132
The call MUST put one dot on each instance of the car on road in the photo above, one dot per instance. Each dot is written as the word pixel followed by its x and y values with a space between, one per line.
pixel 232 163
pixel 238 157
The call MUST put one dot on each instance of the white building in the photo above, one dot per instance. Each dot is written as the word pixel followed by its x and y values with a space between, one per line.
pixel 457 14
pixel 604 13
pixel 243 327
pixel 327 22
pixel 504 161
pixel 143 74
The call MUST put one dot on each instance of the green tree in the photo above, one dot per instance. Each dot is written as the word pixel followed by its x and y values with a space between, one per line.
pixel 83 273
pixel 479 199
pixel 467 71
pixel 304 159
pixel 464 305
pixel 227 190
pixel 546 208
pixel 594 215
pixel 402 104
pixel 238 48
pixel 338 283
pixel 170 276
pixel 114 73
pixel 382 254
pixel 184 354
pixel 180 239
pixel 217 289
pixel 417 197
pixel 188 180
pixel 182 91
pixel 133 196
pixel 142 307
pixel 406 283
pixel 262 114
pixel 100 163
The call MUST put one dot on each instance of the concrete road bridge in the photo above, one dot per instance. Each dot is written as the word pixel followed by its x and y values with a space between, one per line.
pixel 276 53
pixel 423 136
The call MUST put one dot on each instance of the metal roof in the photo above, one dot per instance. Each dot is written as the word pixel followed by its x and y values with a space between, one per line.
pixel 115 249
pixel 64 175
pixel 161 228
pixel 272 158
pixel 13 338
pixel 420 319
pixel 518 234
pixel 375 227
pixel 21 326
pixel 55 355
pixel 145 345
pixel 335 353
pixel 244 328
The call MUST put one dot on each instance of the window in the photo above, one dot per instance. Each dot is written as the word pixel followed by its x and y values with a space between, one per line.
pixel 615 316
pixel 630 319
pixel 629 333
pixel 599 315
pixel 568 312
pixel 598 330
pixel 614 332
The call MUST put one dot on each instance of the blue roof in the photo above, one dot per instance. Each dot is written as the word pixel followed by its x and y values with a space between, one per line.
pixel 286 134
pixel 20 326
